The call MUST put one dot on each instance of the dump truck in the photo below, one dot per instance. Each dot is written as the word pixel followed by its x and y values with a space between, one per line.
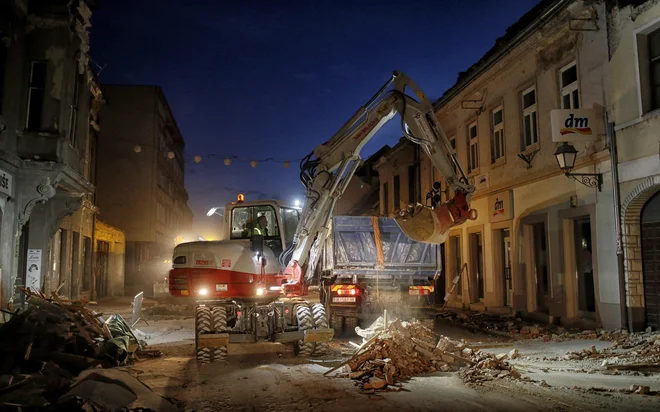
pixel 369 265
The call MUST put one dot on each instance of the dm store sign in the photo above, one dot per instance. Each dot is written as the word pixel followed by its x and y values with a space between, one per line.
pixel 500 207
pixel 576 125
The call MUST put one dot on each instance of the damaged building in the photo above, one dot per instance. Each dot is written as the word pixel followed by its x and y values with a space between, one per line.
pixel 543 244
pixel 141 168
pixel 49 125
pixel 635 106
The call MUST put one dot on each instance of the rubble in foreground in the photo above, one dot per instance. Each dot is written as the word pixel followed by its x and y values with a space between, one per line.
pixel 407 349
pixel 54 341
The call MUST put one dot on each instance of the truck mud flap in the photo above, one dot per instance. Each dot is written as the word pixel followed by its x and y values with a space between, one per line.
pixel 212 340
pixel 319 335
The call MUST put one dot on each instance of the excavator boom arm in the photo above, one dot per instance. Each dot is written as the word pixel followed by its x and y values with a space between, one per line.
pixel 327 171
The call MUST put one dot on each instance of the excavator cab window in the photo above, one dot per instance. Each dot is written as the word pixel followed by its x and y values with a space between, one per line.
pixel 244 220
pixel 290 218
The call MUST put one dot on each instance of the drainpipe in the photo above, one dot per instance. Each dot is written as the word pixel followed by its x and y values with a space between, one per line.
pixel 625 313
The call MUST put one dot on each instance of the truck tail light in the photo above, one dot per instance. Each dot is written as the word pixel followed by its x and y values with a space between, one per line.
pixel 346 290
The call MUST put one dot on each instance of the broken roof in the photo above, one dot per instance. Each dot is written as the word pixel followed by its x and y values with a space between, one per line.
pixel 513 35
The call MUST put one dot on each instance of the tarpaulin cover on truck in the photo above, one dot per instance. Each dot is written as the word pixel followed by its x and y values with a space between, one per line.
pixel 352 249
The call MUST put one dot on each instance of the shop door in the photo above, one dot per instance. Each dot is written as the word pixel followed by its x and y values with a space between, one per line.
pixel 651 266
pixel 584 265
pixel 506 270
pixel 540 252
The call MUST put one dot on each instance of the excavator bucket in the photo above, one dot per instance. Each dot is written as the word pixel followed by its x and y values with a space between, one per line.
pixel 426 225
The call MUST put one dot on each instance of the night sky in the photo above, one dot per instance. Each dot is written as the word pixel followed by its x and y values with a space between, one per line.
pixel 274 79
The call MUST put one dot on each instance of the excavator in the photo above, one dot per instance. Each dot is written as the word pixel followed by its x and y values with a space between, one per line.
pixel 252 287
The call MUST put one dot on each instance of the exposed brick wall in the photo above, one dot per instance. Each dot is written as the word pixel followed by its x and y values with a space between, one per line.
pixel 631 239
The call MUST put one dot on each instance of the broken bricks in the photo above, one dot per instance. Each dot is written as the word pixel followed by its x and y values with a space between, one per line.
pixel 407 349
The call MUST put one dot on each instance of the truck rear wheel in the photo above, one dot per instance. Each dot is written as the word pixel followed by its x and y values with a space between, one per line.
pixel 321 322
pixel 305 322
pixel 219 314
pixel 350 323
pixel 202 326
pixel 338 324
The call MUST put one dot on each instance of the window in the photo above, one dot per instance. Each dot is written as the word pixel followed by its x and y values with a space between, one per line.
pixel 244 219
pixel 530 135
pixel 397 192
pixel 473 144
pixel 3 62
pixel 73 115
pixel 386 199
pixel 290 219
pixel 36 95
pixel 568 80
pixel 497 139
pixel 654 69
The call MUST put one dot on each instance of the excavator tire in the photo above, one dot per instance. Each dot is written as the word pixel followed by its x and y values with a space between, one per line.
pixel 202 326
pixel 219 314
pixel 305 321
pixel 321 322
pixel 337 324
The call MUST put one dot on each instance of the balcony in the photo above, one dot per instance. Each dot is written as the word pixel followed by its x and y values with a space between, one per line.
pixel 49 147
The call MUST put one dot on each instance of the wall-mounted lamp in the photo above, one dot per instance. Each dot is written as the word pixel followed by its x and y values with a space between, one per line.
pixel 566 155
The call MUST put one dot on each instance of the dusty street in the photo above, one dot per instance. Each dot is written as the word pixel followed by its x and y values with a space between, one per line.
pixel 252 380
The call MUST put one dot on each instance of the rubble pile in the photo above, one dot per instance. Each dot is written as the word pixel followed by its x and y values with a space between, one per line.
pixel 46 346
pixel 503 326
pixel 589 353
pixel 407 349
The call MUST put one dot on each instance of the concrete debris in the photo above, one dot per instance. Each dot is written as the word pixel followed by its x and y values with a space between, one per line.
pixel 407 349
pixel 514 354
pixel 377 326
pixel 633 389
pixel 54 340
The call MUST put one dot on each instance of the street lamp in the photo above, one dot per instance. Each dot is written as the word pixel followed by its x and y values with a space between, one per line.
pixel 214 211
pixel 566 155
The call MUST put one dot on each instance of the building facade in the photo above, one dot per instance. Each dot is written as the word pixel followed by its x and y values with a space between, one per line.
pixel 399 169
pixel 543 244
pixel 49 102
pixel 635 106
pixel 141 170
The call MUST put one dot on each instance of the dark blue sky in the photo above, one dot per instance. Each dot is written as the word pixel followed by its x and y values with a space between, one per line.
pixel 259 79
